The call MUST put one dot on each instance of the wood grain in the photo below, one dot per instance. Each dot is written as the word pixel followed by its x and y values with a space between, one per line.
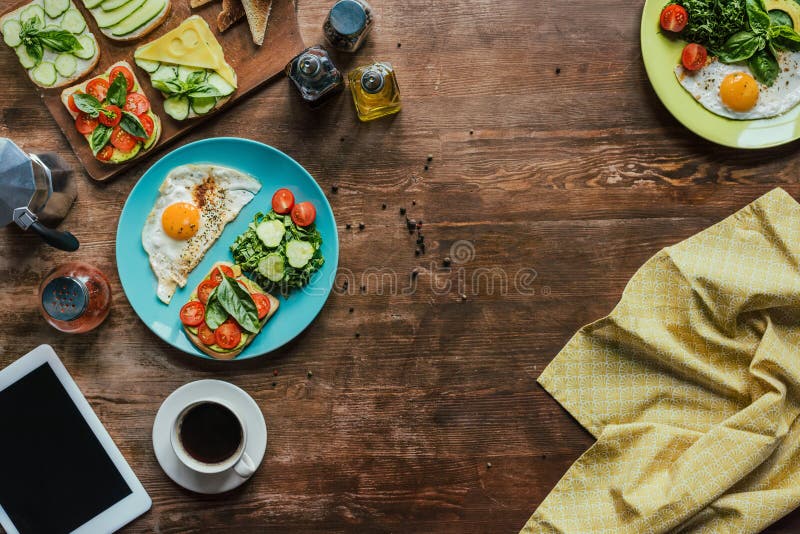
pixel 578 176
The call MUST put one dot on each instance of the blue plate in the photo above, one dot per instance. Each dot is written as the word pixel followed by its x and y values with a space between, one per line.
pixel 275 170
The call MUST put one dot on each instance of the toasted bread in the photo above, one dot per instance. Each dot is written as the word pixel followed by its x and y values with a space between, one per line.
pixel 85 66
pixel 257 12
pixel 254 288
pixel 199 3
pixel 232 12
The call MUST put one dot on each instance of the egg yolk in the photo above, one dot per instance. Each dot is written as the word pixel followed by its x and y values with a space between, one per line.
pixel 180 220
pixel 739 91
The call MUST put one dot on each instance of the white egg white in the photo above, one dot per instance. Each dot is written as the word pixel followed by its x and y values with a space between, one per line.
pixel 778 98
pixel 219 194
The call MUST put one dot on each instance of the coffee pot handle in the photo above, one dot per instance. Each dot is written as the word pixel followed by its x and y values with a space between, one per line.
pixel 60 240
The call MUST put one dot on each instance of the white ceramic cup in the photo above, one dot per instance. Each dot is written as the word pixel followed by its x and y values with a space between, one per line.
pixel 239 460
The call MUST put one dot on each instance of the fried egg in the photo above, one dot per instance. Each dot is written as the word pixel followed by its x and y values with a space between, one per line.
pixel 732 91
pixel 194 204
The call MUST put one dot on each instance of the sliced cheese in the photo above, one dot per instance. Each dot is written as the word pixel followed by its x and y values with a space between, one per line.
pixel 191 44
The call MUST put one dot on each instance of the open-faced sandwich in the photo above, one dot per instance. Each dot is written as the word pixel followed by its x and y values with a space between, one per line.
pixel 226 312
pixel 51 41
pixel 114 116
pixel 188 66
pixel 126 20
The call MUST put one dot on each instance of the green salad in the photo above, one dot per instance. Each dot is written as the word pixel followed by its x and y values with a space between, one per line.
pixel 277 253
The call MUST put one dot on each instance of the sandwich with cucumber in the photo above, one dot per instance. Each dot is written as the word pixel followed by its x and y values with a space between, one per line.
pixel 113 114
pixel 226 312
pixel 187 65
pixel 51 41
pixel 126 20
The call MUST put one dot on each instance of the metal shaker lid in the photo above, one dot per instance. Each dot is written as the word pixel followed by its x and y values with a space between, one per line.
pixel 372 81
pixel 309 64
pixel 65 298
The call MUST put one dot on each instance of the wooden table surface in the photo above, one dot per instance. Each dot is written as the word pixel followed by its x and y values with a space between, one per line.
pixel 556 173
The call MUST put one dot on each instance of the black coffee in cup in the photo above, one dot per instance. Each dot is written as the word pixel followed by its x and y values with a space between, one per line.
pixel 210 432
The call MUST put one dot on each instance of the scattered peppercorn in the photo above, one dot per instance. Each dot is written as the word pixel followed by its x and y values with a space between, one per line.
pixel 334 189
pixel 348 226
pixel 417 252
pixel 447 261
pixel 383 206
pixel 411 224
pixel 402 211
pixel 471 132
pixel 430 158
pixel 310 374
pixel 275 372
pixel 358 335
pixel 363 289
pixel 413 202
pixel 426 167
pixel 463 296
pixel 558 71
pixel 274 384
pixel 420 239
pixel 419 223
pixel 489 465
pixel 341 139
pixel 361 226
pixel 399 45
pixel 352 310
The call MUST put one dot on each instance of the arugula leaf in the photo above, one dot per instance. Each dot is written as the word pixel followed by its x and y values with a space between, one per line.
pixel 117 91
pixel 741 46
pixel 100 137
pixel 238 303
pixel 764 66
pixel 757 16
pixel 131 124
pixel 88 104
pixel 215 313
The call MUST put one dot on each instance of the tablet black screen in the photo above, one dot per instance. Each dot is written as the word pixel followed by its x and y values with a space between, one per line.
pixel 54 474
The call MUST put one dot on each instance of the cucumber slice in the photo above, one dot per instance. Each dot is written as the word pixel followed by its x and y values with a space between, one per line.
pixel 156 132
pixel 24 58
pixel 106 19
pixel 88 50
pixel 177 107
pixel 32 11
pixel 271 233
pixel 272 267
pixel 147 65
pixel 73 22
pixel 66 65
pixel 110 5
pixel 45 74
pixel 92 3
pixel 203 105
pixel 299 253
pixel 54 8
pixel 218 82
pixel 184 72
pixel 143 15
pixel 164 73
pixel 11 31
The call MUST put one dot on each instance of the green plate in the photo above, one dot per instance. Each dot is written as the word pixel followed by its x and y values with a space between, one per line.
pixel 661 53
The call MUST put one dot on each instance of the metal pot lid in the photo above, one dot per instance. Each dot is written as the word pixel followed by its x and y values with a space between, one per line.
pixel 17 180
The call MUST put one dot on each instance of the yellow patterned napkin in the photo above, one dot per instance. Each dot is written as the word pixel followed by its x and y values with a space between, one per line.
pixel 691 386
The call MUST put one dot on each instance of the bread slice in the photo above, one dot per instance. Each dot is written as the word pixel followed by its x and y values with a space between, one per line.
pixel 137 86
pixel 232 12
pixel 257 12
pixel 253 288
pixel 85 66
pixel 141 32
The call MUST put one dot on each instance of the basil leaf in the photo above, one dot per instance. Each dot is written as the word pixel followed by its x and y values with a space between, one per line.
pixel 740 46
pixel 757 16
pixel 779 18
pixel 238 302
pixel 764 66
pixel 786 38
pixel 118 90
pixel 100 137
pixel 87 103
pixel 131 124
pixel 34 49
pixel 59 40
pixel 215 313
pixel 196 78
pixel 203 90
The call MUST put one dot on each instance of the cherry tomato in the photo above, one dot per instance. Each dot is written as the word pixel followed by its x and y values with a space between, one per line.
pixel 85 124
pixel 137 104
pixel 110 116
pixel 228 335
pixel 303 214
pixel 216 277
pixel 148 124
pixel 193 313
pixel 694 56
pixel 98 88
pixel 105 153
pixel 205 334
pixel 71 102
pixel 674 18
pixel 204 290
pixel 262 303
pixel 123 140
pixel 125 72
pixel 282 201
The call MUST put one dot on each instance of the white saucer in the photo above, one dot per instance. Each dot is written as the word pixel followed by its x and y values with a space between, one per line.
pixel 177 401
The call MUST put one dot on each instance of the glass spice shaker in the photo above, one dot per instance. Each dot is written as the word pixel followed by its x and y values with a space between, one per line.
pixel 315 76
pixel 347 24
pixel 375 91
pixel 75 297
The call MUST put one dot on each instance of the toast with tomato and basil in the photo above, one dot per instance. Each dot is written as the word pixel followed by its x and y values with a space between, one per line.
pixel 226 312
pixel 113 114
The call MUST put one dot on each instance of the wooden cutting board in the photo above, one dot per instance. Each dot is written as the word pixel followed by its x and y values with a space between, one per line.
pixel 254 67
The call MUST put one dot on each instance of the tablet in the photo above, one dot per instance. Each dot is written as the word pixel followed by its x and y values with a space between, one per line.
pixel 59 469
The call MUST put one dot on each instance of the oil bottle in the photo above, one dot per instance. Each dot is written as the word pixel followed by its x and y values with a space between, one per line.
pixel 375 91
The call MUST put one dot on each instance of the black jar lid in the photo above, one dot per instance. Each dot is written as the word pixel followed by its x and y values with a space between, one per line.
pixel 65 298
pixel 348 17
